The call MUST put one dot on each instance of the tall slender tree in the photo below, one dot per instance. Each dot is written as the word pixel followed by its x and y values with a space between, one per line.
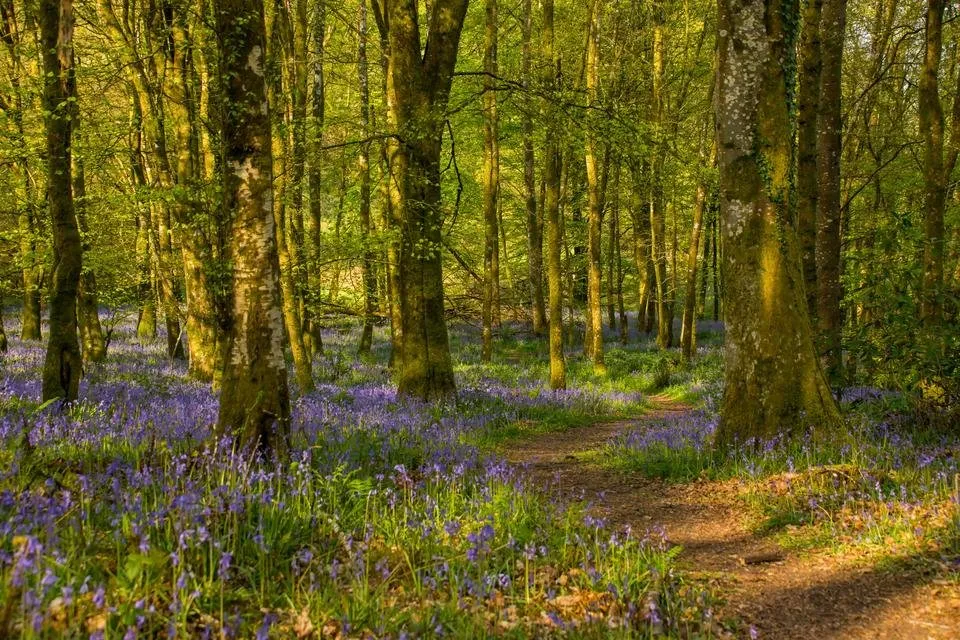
pixel 829 323
pixel 418 84
pixel 368 275
pixel 534 211
pixel 551 205
pixel 63 365
pixel 595 194
pixel 491 183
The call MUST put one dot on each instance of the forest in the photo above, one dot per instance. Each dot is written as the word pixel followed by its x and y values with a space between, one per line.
pixel 479 319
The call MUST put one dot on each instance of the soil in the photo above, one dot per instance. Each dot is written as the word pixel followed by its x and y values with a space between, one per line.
pixel 780 593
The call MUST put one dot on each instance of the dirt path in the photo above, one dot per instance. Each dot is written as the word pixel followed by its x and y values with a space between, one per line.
pixel 783 595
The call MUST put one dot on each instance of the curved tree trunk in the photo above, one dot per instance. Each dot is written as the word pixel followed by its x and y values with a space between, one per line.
pixel 62 366
pixel 774 384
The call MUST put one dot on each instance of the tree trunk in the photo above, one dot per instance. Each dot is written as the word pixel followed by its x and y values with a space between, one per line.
pixel 688 331
pixel 279 84
pixel 551 205
pixel 27 217
pixel 367 273
pixel 595 197
pixel 62 366
pixel 491 183
pixel 613 248
pixel 934 180
pixel 658 214
pixel 829 323
pixel 146 309
pixel 254 401
pixel 3 333
pixel 315 174
pixel 92 344
pixel 774 384
pixel 808 105
pixel 419 84
pixel 534 212
pixel 195 247
pixel 163 245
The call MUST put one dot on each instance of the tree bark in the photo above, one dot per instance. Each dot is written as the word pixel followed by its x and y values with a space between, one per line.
pixel 829 323
pixel 279 83
pixel 688 331
pixel 534 212
pixel 254 401
pixel 92 344
pixel 658 214
pixel 368 275
pixel 808 101
pixel 318 100
pixel 491 184
pixel 551 205
pixel 595 197
pixel 774 384
pixel 62 366
pixel 934 180
pixel 195 246
pixel 419 83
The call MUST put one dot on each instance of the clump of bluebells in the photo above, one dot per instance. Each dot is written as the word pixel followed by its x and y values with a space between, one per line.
pixel 121 517
pixel 883 482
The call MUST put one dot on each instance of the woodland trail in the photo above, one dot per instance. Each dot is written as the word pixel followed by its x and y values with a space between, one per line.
pixel 784 595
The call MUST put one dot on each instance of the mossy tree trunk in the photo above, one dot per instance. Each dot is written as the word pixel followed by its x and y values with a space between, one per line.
pixel 254 400
pixel 833 20
pixel 92 343
pixel 658 213
pixel 197 229
pixel 595 196
pixel 491 183
pixel 281 84
pixel 774 384
pixel 62 365
pixel 808 100
pixel 314 173
pixel 934 178
pixel 368 261
pixel 688 331
pixel 534 211
pixel 419 81
pixel 551 207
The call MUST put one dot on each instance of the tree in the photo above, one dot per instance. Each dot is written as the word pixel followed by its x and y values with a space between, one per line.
pixel 254 400
pixel 808 100
pixel 491 183
pixel 551 206
pixel 688 331
pixel 63 365
pixel 534 217
pixel 367 273
pixel 419 80
pixel 774 383
pixel 833 22
pixel 934 177
pixel 595 196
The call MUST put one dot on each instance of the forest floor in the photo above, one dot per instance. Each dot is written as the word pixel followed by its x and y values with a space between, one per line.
pixel 777 592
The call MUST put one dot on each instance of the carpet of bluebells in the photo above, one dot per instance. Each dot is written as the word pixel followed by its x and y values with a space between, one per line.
pixel 121 517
